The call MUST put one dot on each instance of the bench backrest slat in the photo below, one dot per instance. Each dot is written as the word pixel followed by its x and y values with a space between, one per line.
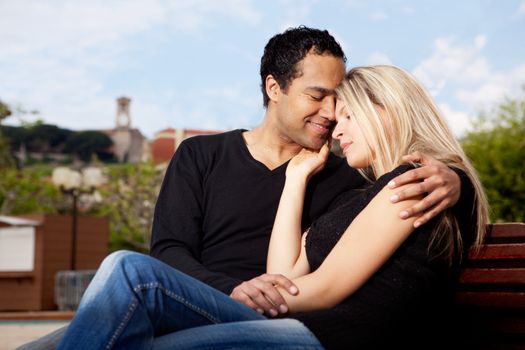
pixel 491 290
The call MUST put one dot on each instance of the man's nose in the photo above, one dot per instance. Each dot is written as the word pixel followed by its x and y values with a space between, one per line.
pixel 328 108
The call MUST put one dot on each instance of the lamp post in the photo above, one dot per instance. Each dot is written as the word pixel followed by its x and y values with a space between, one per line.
pixel 75 183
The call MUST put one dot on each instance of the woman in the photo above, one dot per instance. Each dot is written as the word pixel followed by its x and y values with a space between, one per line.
pixel 365 276
pixel 374 278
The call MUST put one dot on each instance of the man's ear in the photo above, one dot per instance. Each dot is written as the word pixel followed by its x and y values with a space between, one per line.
pixel 272 88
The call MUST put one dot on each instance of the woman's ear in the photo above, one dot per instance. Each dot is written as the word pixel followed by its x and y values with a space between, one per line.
pixel 272 88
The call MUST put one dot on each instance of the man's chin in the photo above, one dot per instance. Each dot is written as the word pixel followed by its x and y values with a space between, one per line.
pixel 314 144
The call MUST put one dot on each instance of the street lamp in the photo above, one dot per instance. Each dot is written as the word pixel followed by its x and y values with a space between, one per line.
pixel 75 183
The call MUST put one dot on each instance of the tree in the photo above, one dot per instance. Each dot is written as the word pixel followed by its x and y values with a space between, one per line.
pixel 496 146
pixel 44 138
pixel 87 143
pixel 128 201
pixel 28 191
pixel 5 153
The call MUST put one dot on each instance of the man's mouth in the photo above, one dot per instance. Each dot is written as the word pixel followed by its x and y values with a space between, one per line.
pixel 320 128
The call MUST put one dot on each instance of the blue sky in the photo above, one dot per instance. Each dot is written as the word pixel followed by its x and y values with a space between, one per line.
pixel 195 64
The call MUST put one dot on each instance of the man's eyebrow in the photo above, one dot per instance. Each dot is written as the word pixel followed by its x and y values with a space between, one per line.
pixel 321 90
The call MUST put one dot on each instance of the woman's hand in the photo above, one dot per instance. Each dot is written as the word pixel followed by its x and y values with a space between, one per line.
pixel 307 163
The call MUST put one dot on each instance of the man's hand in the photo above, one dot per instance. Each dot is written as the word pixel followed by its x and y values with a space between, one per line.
pixel 261 294
pixel 441 184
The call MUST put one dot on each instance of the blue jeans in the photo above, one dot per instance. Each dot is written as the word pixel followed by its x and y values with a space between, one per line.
pixel 138 302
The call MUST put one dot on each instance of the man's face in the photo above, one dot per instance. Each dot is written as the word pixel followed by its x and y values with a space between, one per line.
pixel 306 112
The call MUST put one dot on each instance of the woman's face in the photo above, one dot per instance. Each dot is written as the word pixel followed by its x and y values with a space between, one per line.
pixel 351 137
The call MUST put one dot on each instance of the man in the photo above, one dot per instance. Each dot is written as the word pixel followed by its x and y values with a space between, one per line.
pixel 216 207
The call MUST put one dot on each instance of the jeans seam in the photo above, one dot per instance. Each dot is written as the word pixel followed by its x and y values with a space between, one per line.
pixel 167 292
pixel 122 324
pixel 178 298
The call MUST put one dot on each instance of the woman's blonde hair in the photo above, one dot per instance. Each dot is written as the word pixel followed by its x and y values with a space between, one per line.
pixel 398 117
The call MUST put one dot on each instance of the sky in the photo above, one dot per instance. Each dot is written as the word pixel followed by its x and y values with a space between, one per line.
pixel 195 64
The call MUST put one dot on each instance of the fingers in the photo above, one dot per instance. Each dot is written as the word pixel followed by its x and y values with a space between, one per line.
pixel 281 281
pixel 418 157
pixel 262 295
pixel 324 151
pixel 410 176
pixel 441 185
pixel 251 295
pixel 442 191
pixel 430 214
pixel 416 175
pixel 414 157
pixel 239 295
pixel 428 207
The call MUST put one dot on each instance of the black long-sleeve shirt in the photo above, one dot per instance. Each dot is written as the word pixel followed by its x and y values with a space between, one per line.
pixel 217 204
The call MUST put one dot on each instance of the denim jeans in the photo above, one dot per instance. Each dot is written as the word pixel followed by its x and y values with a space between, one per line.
pixel 138 302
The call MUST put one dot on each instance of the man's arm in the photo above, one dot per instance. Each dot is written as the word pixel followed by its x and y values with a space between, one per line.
pixel 177 222
pixel 440 184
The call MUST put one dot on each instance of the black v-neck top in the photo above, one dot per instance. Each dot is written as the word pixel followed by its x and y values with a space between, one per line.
pixel 216 208
pixel 403 303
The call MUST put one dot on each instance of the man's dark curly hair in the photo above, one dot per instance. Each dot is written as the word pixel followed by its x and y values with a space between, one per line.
pixel 285 50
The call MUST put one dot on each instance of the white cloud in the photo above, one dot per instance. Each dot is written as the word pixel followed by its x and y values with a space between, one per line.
pixel 58 57
pixel 458 121
pixel 34 26
pixel 296 13
pixel 480 41
pixel 195 16
pixel 521 10
pixel 452 62
pixel 464 74
pixel 378 58
pixel 485 94
pixel 494 89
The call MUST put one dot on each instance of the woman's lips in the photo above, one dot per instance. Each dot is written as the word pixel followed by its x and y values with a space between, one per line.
pixel 345 145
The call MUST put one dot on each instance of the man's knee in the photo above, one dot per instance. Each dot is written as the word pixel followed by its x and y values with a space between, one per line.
pixel 120 259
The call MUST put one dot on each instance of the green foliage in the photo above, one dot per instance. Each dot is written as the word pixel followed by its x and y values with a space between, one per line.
pixel 28 191
pixel 6 160
pixel 48 142
pixel 5 111
pixel 496 146
pixel 45 138
pixel 128 201
pixel 85 144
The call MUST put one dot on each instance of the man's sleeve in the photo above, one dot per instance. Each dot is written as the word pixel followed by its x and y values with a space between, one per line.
pixel 176 237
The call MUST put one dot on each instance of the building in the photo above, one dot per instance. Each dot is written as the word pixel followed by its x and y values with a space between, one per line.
pixel 129 145
pixel 166 142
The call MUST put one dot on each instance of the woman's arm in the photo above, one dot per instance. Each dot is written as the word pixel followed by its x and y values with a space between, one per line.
pixel 286 253
pixel 369 241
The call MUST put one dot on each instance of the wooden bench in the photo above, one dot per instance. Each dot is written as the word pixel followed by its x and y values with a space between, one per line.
pixel 491 293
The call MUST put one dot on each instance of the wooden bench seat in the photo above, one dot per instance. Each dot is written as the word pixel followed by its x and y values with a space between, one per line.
pixel 491 293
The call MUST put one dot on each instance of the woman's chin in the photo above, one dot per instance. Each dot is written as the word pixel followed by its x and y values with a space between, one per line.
pixel 356 164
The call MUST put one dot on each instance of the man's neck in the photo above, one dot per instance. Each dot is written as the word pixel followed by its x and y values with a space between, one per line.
pixel 268 146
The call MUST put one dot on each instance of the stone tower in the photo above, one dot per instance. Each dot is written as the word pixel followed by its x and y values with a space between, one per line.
pixel 123 117
pixel 122 134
